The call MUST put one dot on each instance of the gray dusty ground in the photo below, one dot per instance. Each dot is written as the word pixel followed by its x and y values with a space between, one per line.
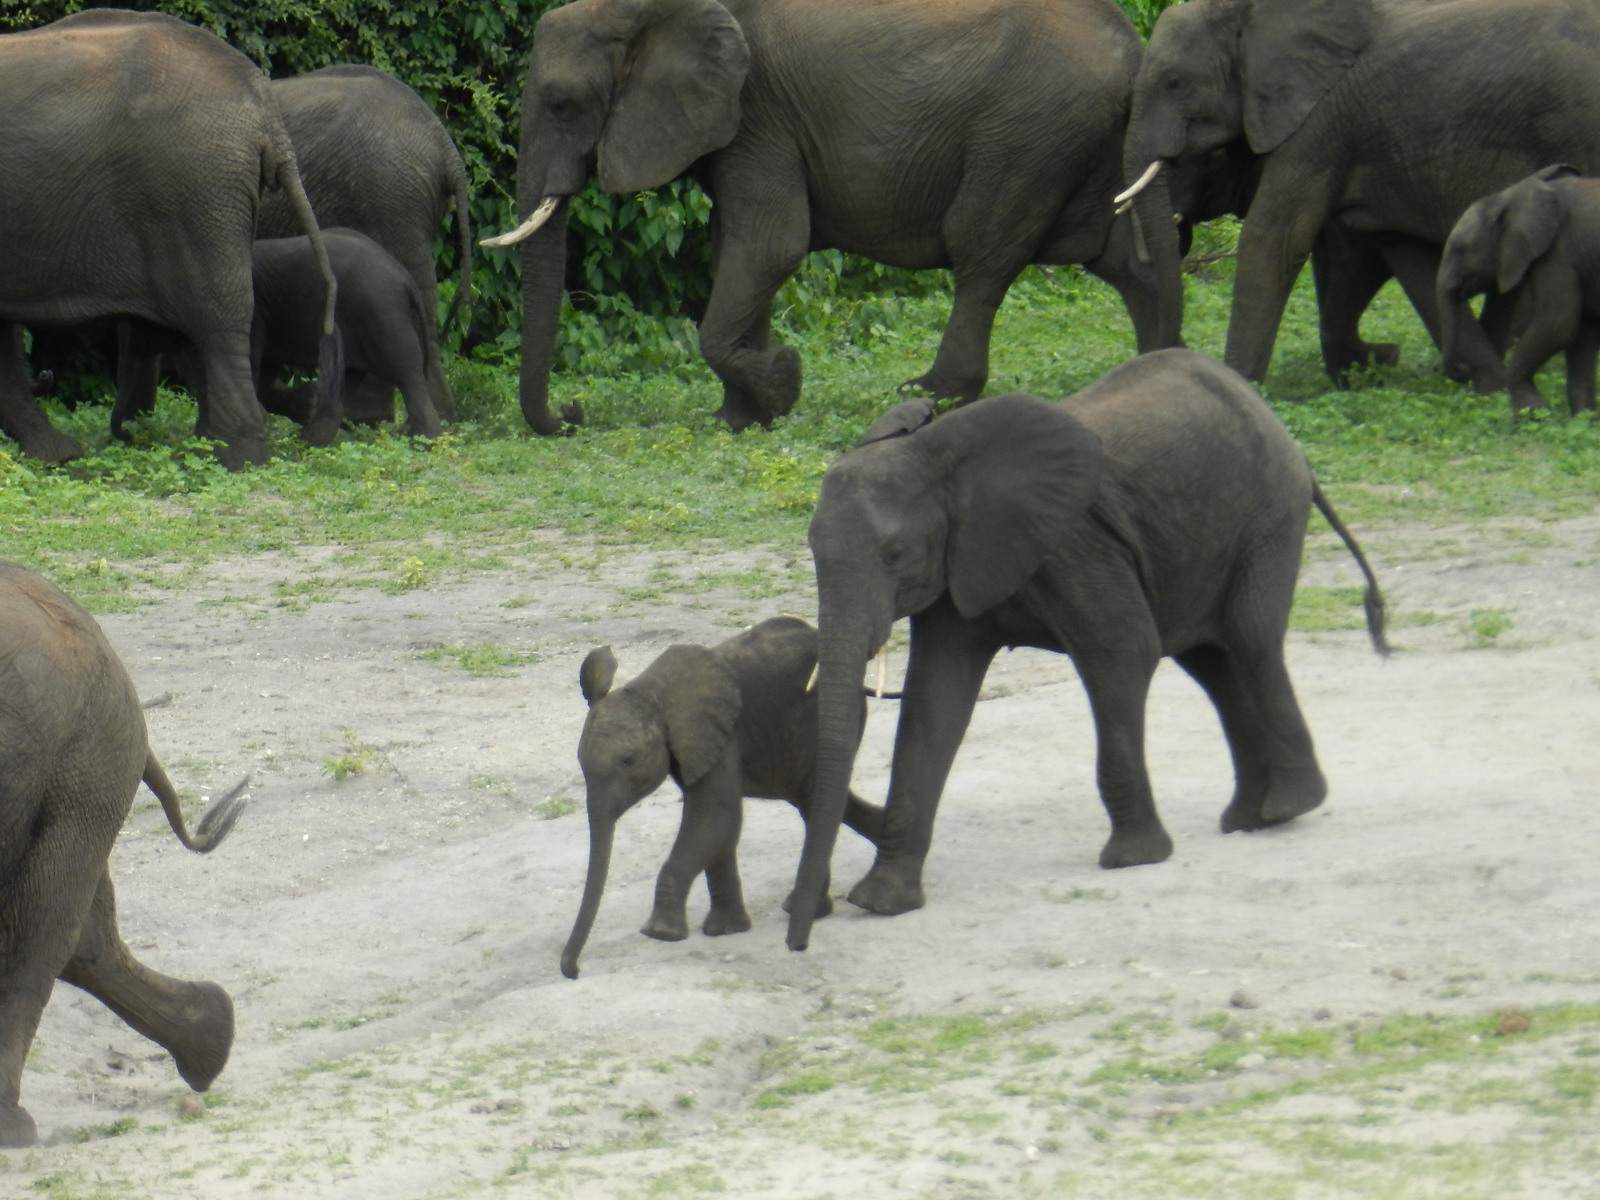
pixel 391 940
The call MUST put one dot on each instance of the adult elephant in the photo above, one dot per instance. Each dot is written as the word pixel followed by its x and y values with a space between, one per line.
pixel 72 755
pixel 1386 118
pixel 375 158
pixel 978 135
pixel 1158 513
pixel 136 152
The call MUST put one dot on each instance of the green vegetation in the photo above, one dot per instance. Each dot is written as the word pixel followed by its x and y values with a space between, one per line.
pixel 357 759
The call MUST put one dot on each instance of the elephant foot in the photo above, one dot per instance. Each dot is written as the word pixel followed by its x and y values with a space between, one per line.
pixel 772 389
pixel 49 445
pixel 321 429
pixel 202 1051
pixel 666 929
pixel 889 890
pixel 725 920
pixel 824 905
pixel 1282 802
pixel 16 1128
pixel 1136 847
pixel 240 454
pixel 546 424
pixel 943 386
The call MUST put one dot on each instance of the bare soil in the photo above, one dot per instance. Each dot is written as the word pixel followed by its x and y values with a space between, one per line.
pixel 391 938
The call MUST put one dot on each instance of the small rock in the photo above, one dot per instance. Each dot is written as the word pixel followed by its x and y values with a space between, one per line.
pixel 1243 999
pixel 1322 1014
pixel 1031 1153
pixel 191 1108
pixel 1249 1062
pixel 1512 1021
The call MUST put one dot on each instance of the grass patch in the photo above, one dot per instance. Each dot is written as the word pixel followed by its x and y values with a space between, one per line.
pixel 481 658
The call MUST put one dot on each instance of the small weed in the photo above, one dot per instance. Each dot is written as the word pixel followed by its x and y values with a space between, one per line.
pixel 357 759
pixel 555 806
pixel 1484 626
pixel 413 575
pixel 481 658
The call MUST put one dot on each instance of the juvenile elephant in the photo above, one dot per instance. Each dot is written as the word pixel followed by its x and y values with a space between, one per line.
pixel 1387 118
pixel 978 135
pixel 1158 513
pixel 72 754
pixel 136 151
pixel 726 721
pixel 375 158
pixel 1537 243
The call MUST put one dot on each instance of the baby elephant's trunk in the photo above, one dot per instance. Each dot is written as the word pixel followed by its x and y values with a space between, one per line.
pixel 600 836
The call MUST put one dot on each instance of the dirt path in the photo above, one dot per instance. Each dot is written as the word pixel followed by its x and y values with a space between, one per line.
pixel 1040 1028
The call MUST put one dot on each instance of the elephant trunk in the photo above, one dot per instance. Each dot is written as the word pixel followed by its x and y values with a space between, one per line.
pixel 544 266
pixel 1146 151
pixel 601 833
pixel 1453 311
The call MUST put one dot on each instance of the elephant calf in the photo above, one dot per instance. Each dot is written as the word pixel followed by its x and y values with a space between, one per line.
pixel 72 754
pixel 1538 243
pixel 727 721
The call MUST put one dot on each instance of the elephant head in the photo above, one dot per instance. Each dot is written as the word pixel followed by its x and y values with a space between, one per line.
pixel 967 507
pixel 676 718
pixel 631 90
pixel 1219 70
pixel 1491 248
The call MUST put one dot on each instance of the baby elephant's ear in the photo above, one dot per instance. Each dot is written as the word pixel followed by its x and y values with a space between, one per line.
pixel 700 700
pixel 595 676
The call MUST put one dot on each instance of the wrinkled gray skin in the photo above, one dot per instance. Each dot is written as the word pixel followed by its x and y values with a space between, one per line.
pixel 148 144
pixel 384 330
pixel 728 721
pixel 1158 513
pixel 72 754
pixel 978 135
pixel 1390 119
pixel 375 158
pixel 1537 244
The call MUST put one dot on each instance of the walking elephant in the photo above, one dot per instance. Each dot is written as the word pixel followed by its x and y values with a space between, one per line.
pixel 978 135
pixel 136 153
pixel 375 158
pixel 728 721
pixel 72 754
pixel 1537 245
pixel 1158 513
pixel 1386 118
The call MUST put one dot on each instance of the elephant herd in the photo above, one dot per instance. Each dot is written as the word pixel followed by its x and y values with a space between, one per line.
pixel 1159 513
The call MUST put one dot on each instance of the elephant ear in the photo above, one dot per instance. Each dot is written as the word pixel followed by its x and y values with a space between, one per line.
pixel 700 701
pixel 1528 228
pixel 1020 472
pixel 596 675
pixel 1292 52
pixel 678 98
pixel 906 417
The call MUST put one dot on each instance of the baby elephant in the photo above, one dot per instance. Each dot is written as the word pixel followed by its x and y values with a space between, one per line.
pixel 1538 242
pixel 725 722
pixel 386 332
pixel 72 754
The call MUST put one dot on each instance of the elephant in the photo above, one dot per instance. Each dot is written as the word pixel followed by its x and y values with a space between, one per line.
pixel 73 751
pixel 1536 243
pixel 725 721
pixel 977 135
pixel 385 332
pixel 1386 118
pixel 375 158
pixel 130 192
pixel 1158 513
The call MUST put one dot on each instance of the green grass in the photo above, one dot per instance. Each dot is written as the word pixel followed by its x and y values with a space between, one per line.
pixel 653 467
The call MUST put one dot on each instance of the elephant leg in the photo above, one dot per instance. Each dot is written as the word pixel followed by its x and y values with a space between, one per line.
pixel 192 1021
pixel 1134 281
pixel 961 366
pixel 369 400
pixel 1583 355
pixel 708 840
pixel 1415 264
pixel 138 376
pixel 297 401
pixel 948 661
pixel 229 410
pixel 1547 333
pixel 759 243
pixel 1348 271
pixel 1279 230
pixel 21 417
pixel 1117 680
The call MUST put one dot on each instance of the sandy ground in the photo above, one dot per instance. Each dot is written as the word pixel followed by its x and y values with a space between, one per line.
pixel 391 940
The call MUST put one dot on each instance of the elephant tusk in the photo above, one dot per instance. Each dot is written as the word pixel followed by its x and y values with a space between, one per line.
pixel 812 682
pixel 883 669
pixel 1124 198
pixel 522 232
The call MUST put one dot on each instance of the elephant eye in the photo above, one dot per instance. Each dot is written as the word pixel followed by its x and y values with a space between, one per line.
pixel 560 106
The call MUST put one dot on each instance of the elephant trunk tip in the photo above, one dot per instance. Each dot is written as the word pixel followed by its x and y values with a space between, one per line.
pixel 569 964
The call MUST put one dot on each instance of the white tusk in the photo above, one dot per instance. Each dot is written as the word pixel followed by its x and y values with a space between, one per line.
pixel 522 232
pixel 883 668
pixel 812 682
pixel 1123 199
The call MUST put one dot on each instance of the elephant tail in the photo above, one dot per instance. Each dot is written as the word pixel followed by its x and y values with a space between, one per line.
pixel 1372 598
pixel 463 295
pixel 218 820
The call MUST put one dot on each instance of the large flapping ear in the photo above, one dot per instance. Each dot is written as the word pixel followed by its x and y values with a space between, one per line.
pixel 1292 52
pixel 595 676
pixel 700 701
pixel 1020 473
pixel 679 95
pixel 1528 227
pixel 906 417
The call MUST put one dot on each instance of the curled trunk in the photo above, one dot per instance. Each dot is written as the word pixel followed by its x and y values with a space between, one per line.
pixel 594 885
